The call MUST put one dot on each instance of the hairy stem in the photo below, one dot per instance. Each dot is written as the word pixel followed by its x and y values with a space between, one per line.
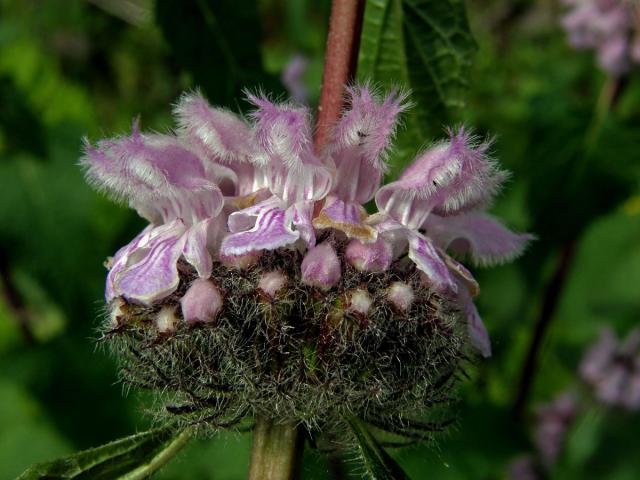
pixel 276 451
pixel 341 57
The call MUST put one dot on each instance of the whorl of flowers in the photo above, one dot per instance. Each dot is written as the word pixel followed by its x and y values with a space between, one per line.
pixel 262 284
pixel 612 369
pixel 609 27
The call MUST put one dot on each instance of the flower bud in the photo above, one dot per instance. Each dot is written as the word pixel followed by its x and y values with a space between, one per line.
pixel 272 282
pixel 401 295
pixel 166 319
pixel 202 302
pixel 360 301
pixel 370 257
pixel 321 267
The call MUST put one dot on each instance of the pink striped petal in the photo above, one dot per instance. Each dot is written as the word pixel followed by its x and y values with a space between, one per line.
pixel 425 255
pixel 361 140
pixel 119 261
pixel 448 178
pixel 283 133
pixel 478 335
pixel 152 273
pixel 272 229
pixel 345 216
pixel 480 236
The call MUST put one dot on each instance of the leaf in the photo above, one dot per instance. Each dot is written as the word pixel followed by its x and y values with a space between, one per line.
pixel 378 464
pixel 130 458
pixel 217 41
pixel 423 45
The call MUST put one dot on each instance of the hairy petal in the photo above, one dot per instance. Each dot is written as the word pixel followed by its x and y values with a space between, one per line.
pixel 222 135
pixel 301 216
pixel 283 134
pixel 361 140
pixel 448 178
pixel 480 236
pixel 159 176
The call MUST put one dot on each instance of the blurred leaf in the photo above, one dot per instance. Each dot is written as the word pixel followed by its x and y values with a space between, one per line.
pixel 218 42
pixel 378 464
pixel 134 457
pixel 19 125
pixel 423 45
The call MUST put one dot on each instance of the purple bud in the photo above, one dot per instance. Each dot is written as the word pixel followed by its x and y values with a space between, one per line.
pixel 202 302
pixel 401 295
pixel 272 282
pixel 554 419
pixel 166 319
pixel 523 468
pixel 369 257
pixel 321 267
pixel 360 302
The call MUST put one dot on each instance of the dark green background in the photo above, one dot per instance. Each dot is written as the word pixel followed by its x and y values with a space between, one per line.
pixel 70 68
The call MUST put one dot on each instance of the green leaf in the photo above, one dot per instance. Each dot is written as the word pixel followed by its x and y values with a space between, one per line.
pixel 378 464
pixel 130 458
pixel 424 45
pixel 218 43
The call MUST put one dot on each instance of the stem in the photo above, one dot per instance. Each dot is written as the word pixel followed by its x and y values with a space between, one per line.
pixel 550 302
pixel 276 451
pixel 341 59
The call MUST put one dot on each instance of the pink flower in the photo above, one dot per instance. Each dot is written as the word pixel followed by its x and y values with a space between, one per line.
pixel 226 190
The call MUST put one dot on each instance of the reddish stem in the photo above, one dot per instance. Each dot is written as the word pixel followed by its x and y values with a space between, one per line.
pixel 341 58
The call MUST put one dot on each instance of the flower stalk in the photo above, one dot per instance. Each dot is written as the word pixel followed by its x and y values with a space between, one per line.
pixel 276 451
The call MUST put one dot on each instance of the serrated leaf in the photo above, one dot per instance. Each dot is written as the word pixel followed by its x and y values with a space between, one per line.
pixel 423 45
pixel 218 43
pixel 377 463
pixel 130 458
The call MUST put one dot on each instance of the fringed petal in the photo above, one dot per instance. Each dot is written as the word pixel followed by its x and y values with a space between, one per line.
pixel 361 141
pixel 159 176
pixel 448 178
pixel 347 217
pixel 221 135
pixel 425 255
pixel 271 230
pixel 283 133
pixel 151 273
pixel 479 236
pixel 478 335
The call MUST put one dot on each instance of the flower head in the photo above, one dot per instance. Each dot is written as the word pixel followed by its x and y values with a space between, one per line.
pixel 262 284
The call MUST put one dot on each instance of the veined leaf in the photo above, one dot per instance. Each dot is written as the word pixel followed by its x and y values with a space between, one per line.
pixel 130 458
pixel 378 464
pixel 425 46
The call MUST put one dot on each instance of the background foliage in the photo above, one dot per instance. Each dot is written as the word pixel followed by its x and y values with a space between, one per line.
pixel 70 68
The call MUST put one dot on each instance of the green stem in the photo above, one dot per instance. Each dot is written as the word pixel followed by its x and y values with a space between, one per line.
pixel 157 462
pixel 276 451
